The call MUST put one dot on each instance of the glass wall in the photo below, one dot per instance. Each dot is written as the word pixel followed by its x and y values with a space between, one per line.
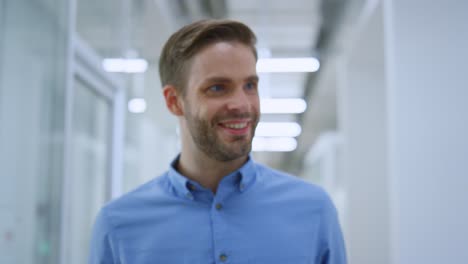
pixel 66 143
pixel 89 166
pixel 33 50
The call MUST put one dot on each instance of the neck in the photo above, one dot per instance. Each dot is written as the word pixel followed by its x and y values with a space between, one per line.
pixel 205 170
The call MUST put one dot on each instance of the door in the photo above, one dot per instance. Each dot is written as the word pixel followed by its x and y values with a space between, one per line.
pixel 93 151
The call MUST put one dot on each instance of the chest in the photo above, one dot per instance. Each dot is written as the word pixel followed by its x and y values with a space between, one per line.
pixel 224 233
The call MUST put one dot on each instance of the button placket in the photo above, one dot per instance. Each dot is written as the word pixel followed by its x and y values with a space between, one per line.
pixel 219 232
pixel 219 214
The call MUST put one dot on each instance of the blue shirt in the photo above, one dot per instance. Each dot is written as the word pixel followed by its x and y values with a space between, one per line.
pixel 258 215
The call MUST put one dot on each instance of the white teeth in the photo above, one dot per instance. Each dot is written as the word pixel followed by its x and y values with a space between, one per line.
pixel 236 126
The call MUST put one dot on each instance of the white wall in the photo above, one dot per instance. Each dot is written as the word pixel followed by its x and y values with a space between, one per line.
pixel 362 122
pixel 428 110
pixel 403 116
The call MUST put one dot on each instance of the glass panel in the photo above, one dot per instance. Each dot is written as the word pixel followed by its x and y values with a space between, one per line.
pixel 32 84
pixel 89 167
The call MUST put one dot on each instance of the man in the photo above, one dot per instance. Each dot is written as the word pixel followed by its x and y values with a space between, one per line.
pixel 215 204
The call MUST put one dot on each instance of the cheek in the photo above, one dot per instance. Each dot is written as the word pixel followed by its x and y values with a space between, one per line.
pixel 255 103
pixel 205 113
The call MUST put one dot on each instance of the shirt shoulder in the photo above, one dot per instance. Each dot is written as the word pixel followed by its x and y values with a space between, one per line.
pixel 130 206
pixel 291 187
pixel 119 214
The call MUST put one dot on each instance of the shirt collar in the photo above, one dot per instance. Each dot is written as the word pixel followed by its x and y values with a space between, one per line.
pixel 243 178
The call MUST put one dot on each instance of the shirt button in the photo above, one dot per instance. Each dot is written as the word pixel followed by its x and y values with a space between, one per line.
pixel 223 257
pixel 241 186
pixel 192 187
pixel 189 196
pixel 219 206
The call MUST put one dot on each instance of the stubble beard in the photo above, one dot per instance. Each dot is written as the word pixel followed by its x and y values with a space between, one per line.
pixel 205 137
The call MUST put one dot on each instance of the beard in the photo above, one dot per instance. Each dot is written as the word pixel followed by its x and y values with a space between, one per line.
pixel 204 135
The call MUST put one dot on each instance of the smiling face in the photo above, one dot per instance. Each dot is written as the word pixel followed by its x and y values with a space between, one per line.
pixel 221 102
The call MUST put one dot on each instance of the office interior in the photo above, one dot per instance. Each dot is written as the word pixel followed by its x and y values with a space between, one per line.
pixel 379 118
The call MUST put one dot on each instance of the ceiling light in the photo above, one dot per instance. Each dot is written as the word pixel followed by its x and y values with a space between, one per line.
pixel 283 106
pixel 275 144
pixel 125 65
pixel 278 129
pixel 137 105
pixel 288 65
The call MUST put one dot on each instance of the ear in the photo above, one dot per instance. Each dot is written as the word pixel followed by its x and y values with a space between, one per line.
pixel 173 100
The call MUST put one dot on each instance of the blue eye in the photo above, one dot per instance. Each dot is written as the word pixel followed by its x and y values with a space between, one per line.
pixel 216 88
pixel 250 86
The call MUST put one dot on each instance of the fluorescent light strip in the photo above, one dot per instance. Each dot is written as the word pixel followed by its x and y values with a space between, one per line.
pixel 278 129
pixel 125 65
pixel 283 106
pixel 288 65
pixel 137 105
pixel 283 144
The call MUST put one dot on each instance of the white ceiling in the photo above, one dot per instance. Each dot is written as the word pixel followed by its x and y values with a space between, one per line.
pixel 284 29
pixel 287 28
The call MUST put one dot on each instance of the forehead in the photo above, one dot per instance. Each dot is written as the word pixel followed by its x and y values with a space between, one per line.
pixel 229 60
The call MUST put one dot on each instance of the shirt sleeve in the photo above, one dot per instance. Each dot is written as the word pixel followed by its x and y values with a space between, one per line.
pixel 333 250
pixel 101 246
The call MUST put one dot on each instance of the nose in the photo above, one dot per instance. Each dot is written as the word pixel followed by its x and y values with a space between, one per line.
pixel 239 101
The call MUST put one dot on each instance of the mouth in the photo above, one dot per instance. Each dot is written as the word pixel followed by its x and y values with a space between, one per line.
pixel 236 127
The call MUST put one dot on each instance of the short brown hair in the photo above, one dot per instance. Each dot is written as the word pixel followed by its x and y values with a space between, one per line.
pixel 190 39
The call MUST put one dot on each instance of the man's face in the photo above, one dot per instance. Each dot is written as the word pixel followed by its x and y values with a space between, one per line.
pixel 221 101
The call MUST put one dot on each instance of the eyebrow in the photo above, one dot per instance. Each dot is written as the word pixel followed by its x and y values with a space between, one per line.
pixel 253 78
pixel 228 80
